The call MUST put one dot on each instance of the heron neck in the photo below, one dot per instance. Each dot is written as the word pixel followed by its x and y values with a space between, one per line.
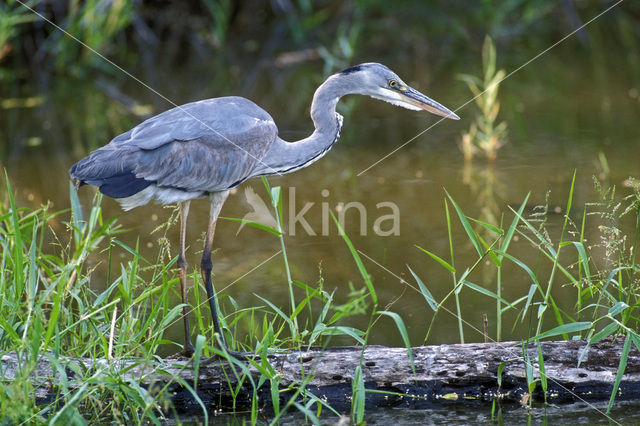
pixel 286 157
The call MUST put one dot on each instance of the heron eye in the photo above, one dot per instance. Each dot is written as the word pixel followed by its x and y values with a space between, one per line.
pixel 393 83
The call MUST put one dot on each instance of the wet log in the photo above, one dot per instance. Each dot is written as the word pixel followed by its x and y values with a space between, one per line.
pixel 444 374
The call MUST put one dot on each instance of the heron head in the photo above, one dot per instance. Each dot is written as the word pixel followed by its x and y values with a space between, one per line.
pixel 379 82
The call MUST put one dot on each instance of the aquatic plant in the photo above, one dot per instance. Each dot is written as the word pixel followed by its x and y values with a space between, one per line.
pixel 607 299
pixel 484 135
pixel 49 309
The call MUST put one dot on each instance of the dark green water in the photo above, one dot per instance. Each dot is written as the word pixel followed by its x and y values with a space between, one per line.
pixel 564 113
pixel 626 413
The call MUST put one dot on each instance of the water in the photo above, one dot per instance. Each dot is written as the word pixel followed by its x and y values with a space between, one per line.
pixel 580 124
pixel 566 414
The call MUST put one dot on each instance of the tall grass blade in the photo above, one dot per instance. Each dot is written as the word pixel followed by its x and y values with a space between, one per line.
pixel 518 262
pixel 403 332
pixel 484 291
pixel 77 220
pixel 528 368
pixel 361 268
pixel 17 257
pixel 636 340
pixel 276 202
pixel 583 258
pixel 532 291
pixel 431 301
pixel 254 224
pixel 438 259
pixel 556 261
pixel 473 236
pixel 488 226
pixel 276 310
pixel 275 394
pixel 622 365
pixel 309 415
pixel 619 307
pixel 357 396
pixel 573 327
pixel 456 282
pixel 604 333
pixel 543 375
pixel 508 236
pixel 197 355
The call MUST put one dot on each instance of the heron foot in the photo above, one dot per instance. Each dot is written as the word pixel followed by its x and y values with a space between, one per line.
pixel 187 351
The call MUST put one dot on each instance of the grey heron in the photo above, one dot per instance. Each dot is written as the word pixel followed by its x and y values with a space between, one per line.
pixel 204 149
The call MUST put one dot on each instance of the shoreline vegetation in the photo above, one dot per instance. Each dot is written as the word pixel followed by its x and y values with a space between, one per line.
pixel 49 309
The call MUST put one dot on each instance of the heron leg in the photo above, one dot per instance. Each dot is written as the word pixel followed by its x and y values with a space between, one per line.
pixel 188 348
pixel 217 200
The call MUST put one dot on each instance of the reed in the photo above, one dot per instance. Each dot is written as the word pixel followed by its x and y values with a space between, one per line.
pixel 485 136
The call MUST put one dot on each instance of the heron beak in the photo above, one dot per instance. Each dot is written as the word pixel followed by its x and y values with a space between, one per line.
pixel 417 99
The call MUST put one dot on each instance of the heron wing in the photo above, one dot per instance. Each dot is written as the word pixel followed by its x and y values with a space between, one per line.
pixel 208 163
pixel 226 118
pixel 208 145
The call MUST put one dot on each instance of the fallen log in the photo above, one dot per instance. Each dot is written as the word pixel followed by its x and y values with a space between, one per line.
pixel 445 374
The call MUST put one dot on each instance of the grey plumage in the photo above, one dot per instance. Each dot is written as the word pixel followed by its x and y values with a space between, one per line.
pixel 193 148
pixel 207 147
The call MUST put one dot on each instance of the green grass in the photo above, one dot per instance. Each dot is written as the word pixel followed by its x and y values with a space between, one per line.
pixel 50 308
pixel 607 298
